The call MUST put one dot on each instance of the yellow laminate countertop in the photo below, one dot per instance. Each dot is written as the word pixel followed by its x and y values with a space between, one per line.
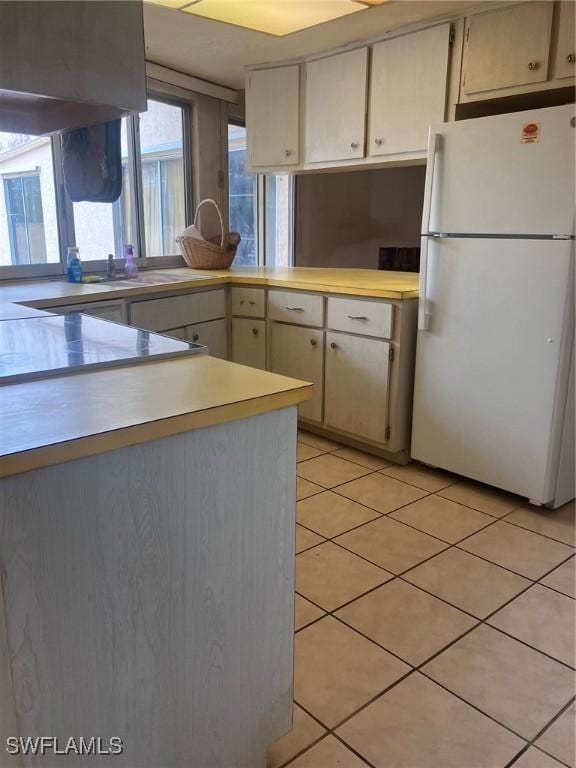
pixel 51 421
pixel 353 282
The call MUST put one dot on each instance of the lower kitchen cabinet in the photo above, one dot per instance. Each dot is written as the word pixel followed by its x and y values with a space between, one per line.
pixel 356 395
pixel 299 352
pixel 249 342
pixel 213 335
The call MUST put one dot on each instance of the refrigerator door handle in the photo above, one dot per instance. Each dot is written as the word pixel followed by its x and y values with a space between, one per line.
pixel 423 308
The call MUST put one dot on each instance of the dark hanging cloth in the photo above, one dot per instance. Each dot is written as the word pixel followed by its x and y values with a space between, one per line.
pixel 92 163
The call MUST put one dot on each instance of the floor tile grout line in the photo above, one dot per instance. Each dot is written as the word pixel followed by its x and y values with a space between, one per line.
pixel 541 732
pixel 537 533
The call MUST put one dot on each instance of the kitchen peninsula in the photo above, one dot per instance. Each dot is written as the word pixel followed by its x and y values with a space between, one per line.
pixel 147 556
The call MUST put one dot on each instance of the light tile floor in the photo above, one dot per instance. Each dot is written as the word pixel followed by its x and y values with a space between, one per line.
pixel 434 621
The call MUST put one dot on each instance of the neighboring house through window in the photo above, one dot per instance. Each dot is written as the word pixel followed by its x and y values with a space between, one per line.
pixel 25 218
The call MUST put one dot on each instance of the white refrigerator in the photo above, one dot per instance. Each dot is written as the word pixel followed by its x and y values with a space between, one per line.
pixel 494 384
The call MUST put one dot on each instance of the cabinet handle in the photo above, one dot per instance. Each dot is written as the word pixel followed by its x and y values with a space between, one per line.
pixel 287 152
pixel 255 331
pixel 195 337
pixel 251 303
pixel 241 301
pixel 354 145
pixel 313 342
pixel 295 309
pixel 532 65
pixel 333 345
pixel 571 58
pixel 357 317
pixel 379 142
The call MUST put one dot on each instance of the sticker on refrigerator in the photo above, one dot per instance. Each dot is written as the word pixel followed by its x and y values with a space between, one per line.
pixel 530 133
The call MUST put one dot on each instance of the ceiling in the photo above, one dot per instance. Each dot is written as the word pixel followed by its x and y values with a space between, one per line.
pixel 276 17
pixel 218 51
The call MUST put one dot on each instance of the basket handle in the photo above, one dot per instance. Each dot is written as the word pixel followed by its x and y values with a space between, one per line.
pixel 215 204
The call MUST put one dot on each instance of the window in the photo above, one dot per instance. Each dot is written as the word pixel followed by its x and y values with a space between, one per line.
pixel 163 190
pixel 278 221
pixel 38 220
pixel 28 218
pixel 103 228
pixel 243 197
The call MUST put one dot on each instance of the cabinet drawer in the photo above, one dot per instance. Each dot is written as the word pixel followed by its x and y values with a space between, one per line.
pixel 248 302
pixel 249 342
pixel 370 318
pixel 176 311
pixel 296 307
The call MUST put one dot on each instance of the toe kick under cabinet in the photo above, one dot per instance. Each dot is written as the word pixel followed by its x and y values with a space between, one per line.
pixel 359 353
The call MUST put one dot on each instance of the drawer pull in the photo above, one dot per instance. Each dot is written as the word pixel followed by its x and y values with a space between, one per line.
pixel 255 331
pixel 195 337
pixel 357 317
pixel 333 345
pixel 241 301
pixel 251 303
pixel 571 58
pixel 313 342
pixel 532 65
pixel 295 309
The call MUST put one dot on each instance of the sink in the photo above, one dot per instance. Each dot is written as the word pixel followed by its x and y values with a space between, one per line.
pixel 156 279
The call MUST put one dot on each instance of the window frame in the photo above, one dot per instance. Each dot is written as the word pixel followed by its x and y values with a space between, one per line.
pixel 261 251
pixel 65 211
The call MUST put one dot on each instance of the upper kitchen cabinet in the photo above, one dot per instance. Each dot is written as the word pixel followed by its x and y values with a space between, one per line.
pixel 407 90
pixel 272 109
pixel 70 64
pixel 565 52
pixel 335 111
pixel 507 49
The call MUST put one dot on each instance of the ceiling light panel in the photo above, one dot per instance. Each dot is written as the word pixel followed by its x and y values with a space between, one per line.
pixel 275 17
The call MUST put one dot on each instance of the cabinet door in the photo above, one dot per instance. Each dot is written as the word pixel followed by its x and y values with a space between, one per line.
pixel 299 352
pixel 272 109
pixel 507 47
pixel 336 107
pixel 356 399
pixel 249 342
pixel 407 90
pixel 213 335
pixel 565 55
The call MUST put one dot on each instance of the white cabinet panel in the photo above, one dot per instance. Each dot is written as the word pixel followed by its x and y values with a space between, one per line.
pixel 407 90
pixel 249 342
pixel 507 47
pixel 299 352
pixel 248 302
pixel 272 109
pixel 213 335
pixel 565 55
pixel 369 318
pixel 356 397
pixel 177 311
pixel 296 307
pixel 336 106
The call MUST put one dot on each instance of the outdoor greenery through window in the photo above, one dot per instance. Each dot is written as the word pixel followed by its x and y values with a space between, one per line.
pixel 149 214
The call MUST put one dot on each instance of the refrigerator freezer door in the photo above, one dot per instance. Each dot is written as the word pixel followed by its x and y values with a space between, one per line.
pixel 489 369
pixel 507 175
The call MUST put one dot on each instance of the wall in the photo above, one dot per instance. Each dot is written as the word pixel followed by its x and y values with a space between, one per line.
pixel 37 157
pixel 342 219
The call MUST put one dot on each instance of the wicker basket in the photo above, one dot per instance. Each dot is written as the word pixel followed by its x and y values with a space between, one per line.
pixel 214 253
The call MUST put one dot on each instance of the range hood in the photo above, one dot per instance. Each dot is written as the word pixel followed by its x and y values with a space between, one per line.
pixel 70 63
